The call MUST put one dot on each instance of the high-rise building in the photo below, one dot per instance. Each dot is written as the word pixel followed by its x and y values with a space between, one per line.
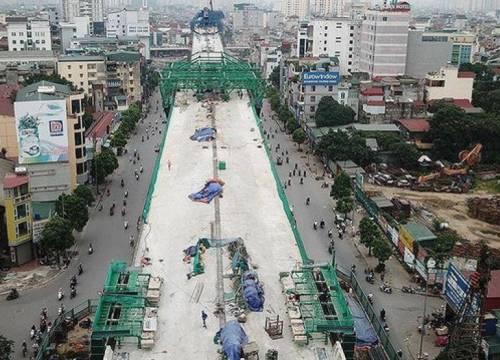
pixel 295 8
pixel 384 37
pixel 94 9
pixel 247 16
pixel 332 37
pixel 128 23
pixel 28 34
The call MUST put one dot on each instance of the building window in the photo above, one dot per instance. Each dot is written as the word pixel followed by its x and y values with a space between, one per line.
pixel 326 27
pixel 75 106
pixel 349 63
pixel 325 42
pixel 21 211
pixel 13 41
pixel 324 49
pixel 78 138
pixel 22 229
pixel 312 98
pixel 79 153
pixel 69 67
pixel 81 83
pixel 384 18
pixel 81 66
pixel 326 34
pixel 313 87
pixel 81 75
pixel 131 82
pixel 342 95
pixel 13 34
pixel 330 87
pixel 312 108
pixel 80 169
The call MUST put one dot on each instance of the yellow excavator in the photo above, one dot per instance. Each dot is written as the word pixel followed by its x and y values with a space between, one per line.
pixel 468 158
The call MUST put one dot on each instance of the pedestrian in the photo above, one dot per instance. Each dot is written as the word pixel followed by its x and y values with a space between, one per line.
pixel 131 242
pixel 293 172
pixel 204 317
pixel 289 182
pixel 290 174
pixel 291 210
pixel 296 166
pixel 298 172
pixel 169 164
pixel 301 181
pixel 287 160
pixel 286 152
pixel 304 173
pixel 282 153
pixel 330 233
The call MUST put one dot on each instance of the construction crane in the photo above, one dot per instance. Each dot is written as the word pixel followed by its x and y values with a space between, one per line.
pixel 468 158
pixel 465 336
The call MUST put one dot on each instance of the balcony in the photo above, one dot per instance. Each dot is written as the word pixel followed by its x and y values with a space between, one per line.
pixel 114 83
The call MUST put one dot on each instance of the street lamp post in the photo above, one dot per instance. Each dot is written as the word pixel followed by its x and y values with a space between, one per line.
pixel 430 265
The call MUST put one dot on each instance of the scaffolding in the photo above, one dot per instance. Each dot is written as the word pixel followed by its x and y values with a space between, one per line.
pixel 219 72
pixel 122 279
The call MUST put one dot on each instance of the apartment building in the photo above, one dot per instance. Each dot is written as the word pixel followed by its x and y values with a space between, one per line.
pixel 123 81
pixel 28 34
pixel 449 83
pixel 384 38
pixel 295 8
pixel 462 44
pixel 248 17
pixel 94 9
pixel 83 71
pixel 332 37
pixel 127 23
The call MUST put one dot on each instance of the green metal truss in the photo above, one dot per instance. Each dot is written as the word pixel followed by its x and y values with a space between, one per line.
pixel 219 71
pixel 322 302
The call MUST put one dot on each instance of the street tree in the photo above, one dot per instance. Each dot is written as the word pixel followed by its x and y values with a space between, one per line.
pixel 274 77
pixel 57 236
pixel 406 154
pixel 119 139
pixel 84 192
pixel 74 209
pixel 105 163
pixel 299 137
pixel 445 242
pixel 483 72
pixel 291 125
pixel 382 251
pixel 331 113
pixel 341 146
pixel 6 348
pixel 344 205
pixel 341 186
pixel 369 233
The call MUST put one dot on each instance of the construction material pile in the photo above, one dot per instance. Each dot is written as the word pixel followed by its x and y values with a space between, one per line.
pixel 485 209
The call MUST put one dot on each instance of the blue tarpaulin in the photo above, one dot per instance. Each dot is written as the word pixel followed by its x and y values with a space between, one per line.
pixel 365 334
pixel 209 191
pixel 233 339
pixel 252 291
pixel 204 134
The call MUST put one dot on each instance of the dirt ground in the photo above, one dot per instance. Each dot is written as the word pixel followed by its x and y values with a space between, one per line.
pixel 449 207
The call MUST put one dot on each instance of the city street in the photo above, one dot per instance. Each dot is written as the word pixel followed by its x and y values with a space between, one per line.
pixel 106 233
pixel 404 311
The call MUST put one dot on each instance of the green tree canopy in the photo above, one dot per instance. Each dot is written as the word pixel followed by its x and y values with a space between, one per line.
pixel 87 119
pixel 274 77
pixel 341 186
pixel 55 78
pixel 292 125
pixel 406 154
pixel 445 242
pixel 57 235
pixel 331 113
pixel 74 209
pixel 369 233
pixel 344 205
pixel 118 139
pixel 482 71
pixel 381 250
pixel 105 163
pixel 299 136
pixel 6 348
pixel 341 146
pixel 84 192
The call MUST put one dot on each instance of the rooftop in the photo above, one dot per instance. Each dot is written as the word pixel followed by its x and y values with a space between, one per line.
pixel 415 125
pixel 371 91
pixel 467 74
pixel 419 232
pixel 376 127
pixel 67 58
pixel 124 56
pixel 32 93
pixel 12 180
pixel 100 126
pixel 27 55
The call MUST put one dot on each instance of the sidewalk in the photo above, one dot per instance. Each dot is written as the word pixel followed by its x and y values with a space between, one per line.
pixel 27 276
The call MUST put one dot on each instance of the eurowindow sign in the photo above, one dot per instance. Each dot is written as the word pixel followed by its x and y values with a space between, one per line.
pixel 325 78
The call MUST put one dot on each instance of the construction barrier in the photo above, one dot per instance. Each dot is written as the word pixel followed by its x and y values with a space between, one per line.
pixel 156 168
pixel 76 314
pixel 389 352
pixel 281 193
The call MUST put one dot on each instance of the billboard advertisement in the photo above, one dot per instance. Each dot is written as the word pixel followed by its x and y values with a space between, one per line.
pixel 456 288
pixel 325 78
pixel 42 133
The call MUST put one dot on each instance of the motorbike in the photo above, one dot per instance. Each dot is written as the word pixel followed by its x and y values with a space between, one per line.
pixel 122 183
pixel 13 294
pixel 72 293
pixel 123 211
pixel 60 295
pixel 331 246
pixel 91 249
pixel 385 289
pixel 72 282
pixel 322 224
pixel 315 225
pixel 111 211
pixel 80 269
pixel 370 298
pixel 32 332
pixel 25 348
pixel 370 279
pixel 408 290
pixel 60 311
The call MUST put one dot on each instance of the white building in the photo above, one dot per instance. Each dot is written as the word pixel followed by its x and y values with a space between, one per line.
pixel 128 23
pixel 79 28
pixel 295 8
pixel 384 37
pixel 449 83
pixel 247 16
pixel 332 37
pixel 329 7
pixel 270 57
pixel 94 9
pixel 28 34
